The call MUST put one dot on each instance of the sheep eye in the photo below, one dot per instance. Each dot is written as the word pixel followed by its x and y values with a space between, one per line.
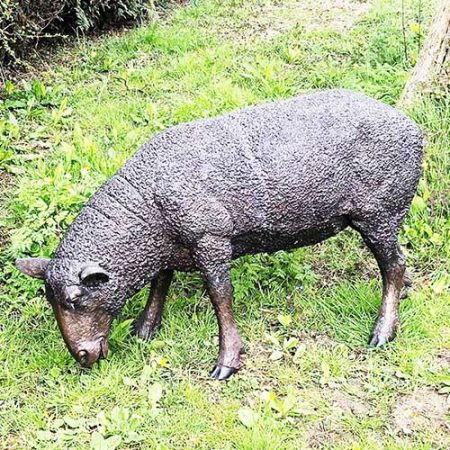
pixel 74 303
pixel 73 296
pixel 70 305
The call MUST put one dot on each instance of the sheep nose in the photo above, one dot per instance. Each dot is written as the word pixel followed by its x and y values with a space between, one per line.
pixel 90 352
pixel 83 357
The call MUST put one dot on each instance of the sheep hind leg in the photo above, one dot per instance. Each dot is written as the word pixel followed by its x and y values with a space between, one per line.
pixel 383 243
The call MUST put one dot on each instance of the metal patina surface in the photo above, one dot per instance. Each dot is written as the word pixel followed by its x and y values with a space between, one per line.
pixel 275 176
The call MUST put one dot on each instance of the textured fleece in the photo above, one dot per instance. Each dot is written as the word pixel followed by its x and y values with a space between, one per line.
pixel 274 176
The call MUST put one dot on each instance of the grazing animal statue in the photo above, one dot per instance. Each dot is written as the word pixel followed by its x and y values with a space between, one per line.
pixel 271 177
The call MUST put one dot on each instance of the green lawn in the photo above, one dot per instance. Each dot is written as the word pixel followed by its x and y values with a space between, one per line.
pixel 309 378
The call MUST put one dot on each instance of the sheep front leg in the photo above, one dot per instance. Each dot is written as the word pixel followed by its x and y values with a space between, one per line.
pixel 150 320
pixel 213 256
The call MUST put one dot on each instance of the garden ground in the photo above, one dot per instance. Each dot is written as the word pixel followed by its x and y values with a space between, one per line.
pixel 309 378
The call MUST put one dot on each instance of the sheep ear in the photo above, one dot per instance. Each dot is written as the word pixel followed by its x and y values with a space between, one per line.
pixel 33 267
pixel 93 275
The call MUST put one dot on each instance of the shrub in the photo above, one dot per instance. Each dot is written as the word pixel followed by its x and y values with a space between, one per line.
pixel 25 22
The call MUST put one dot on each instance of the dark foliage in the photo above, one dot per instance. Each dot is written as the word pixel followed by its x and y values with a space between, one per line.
pixel 26 22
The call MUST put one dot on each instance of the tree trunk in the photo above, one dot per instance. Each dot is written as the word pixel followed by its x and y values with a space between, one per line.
pixel 433 65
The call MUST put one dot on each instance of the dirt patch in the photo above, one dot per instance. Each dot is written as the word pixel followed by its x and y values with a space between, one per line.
pixel 423 410
pixel 443 359
pixel 347 404
pixel 336 15
pixel 275 18
pixel 325 432
pixel 337 406
pixel 6 182
pixel 314 339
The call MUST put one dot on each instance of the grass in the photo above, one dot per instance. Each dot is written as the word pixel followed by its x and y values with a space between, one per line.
pixel 309 379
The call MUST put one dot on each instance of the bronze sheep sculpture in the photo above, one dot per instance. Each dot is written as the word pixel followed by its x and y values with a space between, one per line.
pixel 276 176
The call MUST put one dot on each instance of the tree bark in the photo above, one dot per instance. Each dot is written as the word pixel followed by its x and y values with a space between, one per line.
pixel 433 65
